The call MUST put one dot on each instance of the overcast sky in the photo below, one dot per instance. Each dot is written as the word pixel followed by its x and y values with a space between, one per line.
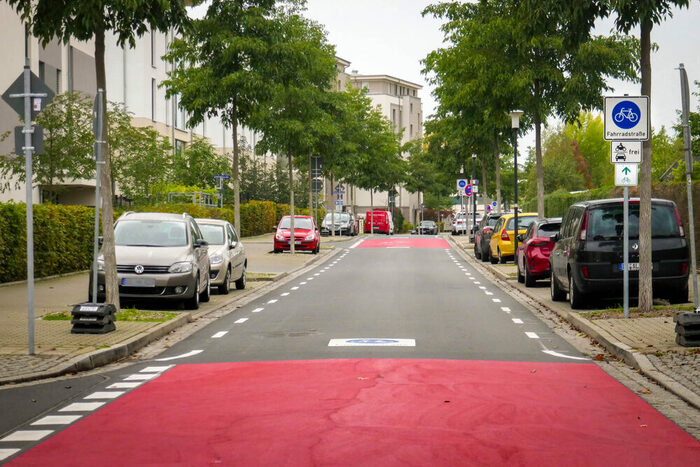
pixel 391 37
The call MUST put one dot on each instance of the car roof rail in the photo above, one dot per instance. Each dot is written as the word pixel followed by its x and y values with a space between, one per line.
pixel 126 213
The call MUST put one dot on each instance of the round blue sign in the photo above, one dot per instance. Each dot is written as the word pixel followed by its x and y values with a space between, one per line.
pixel 468 190
pixel 626 114
pixel 462 183
pixel 494 204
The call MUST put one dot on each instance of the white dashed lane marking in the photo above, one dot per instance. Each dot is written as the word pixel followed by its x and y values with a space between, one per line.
pixel 284 294
pixel 258 310
pixel 240 321
pixel 294 288
pixel 125 385
pixel 57 420
pixel 27 435
pixel 496 300
pixel 517 321
pixel 532 335
pixel 272 301
pixel 5 453
pixel 506 309
pixel 82 407
pixel 105 395
pixel 141 377
pixel 219 334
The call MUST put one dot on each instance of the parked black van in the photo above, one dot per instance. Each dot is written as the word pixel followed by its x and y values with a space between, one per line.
pixel 587 259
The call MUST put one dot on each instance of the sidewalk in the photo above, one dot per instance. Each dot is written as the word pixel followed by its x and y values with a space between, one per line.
pixel 647 344
pixel 58 352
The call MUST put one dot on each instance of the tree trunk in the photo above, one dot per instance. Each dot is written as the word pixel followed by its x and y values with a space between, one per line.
pixel 482 186
pixel 497 159
pixel 371 208
pixel 311 188
pixel 333 199
pixel 291 205
pixel 236 175
pixel 108 252
pixel 538 165
pixel 645 264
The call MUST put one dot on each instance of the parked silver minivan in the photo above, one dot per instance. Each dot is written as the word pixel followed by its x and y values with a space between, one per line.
pixel 227 256
pixel 160 256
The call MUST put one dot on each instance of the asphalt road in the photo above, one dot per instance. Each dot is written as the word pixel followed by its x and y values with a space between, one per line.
pixel 394 350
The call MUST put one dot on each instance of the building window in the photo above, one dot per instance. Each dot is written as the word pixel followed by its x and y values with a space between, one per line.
pixel 153 48
pixel 153 99
pixel 365 85
pixel 411 131
pixel 411 107
pixel 179 147
pixel 42 71
pixel 58 81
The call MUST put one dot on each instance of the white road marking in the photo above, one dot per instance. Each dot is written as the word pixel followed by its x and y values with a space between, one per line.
pixel 240 321
pixel 517 321
pixel 309 278
pixel 506 309
pixel 125 385
pixel 357 243
pixel 5 453
pixel 317 274
pixel 57 420
pixel 294 288
pixel 557 354
pixel 481 287
pixel 302 283
pixel 184 355
pixel 532 335
pixel 219 335
pixel 284 294
pixel 141 377
pixel 104 395
pixel 496 300
pixel 258 310
pixel 488 293
pixel 27 435
pixel 373 342
pixel 156 369
pixel 274 300
pixel 477 282
pixel 82 407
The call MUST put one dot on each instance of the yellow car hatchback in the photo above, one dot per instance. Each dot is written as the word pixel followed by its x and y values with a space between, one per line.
pixel 502 244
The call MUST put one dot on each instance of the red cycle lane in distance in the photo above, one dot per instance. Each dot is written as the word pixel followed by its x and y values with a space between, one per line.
pixel 404 243
pixel 374 412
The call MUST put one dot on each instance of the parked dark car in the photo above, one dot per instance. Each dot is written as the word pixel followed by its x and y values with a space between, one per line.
pixel 343 224
pixel 587 259
pixel 534 248
pixel 482 237
pixel 427 228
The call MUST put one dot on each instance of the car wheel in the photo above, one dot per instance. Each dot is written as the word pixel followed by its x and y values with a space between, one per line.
pixel 206 295
pixel 557 294
pixel 501 259
pixel 521 279
pixel 240 283
pixel 477 252
pixel 528 279
pixel 492 258
pixel 193 303
pixel 576 298
pixel 277 250
pixel 225 288
pixel 484 254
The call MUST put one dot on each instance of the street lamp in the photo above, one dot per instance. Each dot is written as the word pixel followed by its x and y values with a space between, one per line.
pixel 473 197
pixel 515 124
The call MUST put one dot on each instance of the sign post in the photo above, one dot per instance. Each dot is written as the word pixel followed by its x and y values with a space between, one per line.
pixel 97 118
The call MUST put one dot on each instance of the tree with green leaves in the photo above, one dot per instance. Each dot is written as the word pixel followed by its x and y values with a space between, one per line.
pixel 645 14
pixel 67 124
pixel 91 20
pixel 300 67
pixel 223 60
pixel 198 163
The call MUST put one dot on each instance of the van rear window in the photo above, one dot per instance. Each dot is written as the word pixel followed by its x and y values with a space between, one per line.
pixel 605 222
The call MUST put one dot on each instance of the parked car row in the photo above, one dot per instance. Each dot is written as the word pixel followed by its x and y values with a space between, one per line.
pixel 173 257
pixel 582 253
pixel 463 223
pixel 344 223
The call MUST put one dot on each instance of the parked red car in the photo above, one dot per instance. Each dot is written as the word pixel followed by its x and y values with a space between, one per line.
pixel 534 248
pixel 306 234
pixel 380 221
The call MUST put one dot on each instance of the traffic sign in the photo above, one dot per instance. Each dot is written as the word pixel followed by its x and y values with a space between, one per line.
pixel 226 177
pixel 626 118
pixel 626 152
pixel 461 184
pixel 37 140
pixel 37 87
pixel 468 190
pixel 626 174
pixel 475 189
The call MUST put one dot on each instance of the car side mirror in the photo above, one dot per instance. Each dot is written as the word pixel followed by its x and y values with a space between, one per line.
pixel 521 238
pixel 200 243
pixel 274 229
pixel 555 237
pixel 233 244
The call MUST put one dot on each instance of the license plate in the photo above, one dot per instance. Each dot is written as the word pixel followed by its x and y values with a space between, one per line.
pixel 630 266
pixel 297 242
pixel 138 282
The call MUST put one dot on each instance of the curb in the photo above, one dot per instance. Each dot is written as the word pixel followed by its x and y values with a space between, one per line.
pixel 611 344
pixel 102 357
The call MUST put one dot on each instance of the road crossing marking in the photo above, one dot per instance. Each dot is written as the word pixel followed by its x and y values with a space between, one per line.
pixel 125 385
pixel 56 420
pixel 82 407
pixel 156 369
pixel 27 435
pixel 104 395
pixel 532 335
pixel 141 377
pixel 219 334
pixel 5 453
pixel 496 300
pixel 517 321
pixel 241 321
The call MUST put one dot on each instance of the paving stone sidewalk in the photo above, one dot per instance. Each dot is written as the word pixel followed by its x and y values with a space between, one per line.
pixel 648 344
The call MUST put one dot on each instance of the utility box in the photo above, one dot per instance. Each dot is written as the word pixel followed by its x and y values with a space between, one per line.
pixel 93 318
pixel 687 329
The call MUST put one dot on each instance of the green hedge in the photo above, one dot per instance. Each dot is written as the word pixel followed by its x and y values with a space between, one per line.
pixel 63 235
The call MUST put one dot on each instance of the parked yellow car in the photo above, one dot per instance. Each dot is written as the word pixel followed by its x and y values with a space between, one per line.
pixel 502 244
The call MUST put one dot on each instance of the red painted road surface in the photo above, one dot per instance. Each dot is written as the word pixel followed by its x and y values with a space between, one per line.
pixel 374 413
pixel 413 242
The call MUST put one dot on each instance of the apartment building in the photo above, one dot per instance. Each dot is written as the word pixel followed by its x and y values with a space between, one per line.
pixel 134 78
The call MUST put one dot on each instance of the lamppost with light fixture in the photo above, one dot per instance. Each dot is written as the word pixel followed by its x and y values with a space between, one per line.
pixel 515 124
pixel 474 198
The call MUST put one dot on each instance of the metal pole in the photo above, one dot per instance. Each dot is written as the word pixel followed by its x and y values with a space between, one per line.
pixel 515 189
pixel 28 149
pixel 99 108
pixel 685 98
pixel 625 253
pixel 474 200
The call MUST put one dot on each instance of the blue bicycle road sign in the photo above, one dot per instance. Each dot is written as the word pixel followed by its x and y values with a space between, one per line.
pixel 626 114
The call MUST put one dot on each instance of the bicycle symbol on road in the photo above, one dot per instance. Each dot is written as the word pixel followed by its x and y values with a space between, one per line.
pixel 626 114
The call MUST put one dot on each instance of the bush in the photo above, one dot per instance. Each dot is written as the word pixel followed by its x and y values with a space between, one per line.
pixel 406 227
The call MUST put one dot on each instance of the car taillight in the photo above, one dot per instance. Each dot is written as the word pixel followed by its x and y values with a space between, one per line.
pixel 584 271
pixel 684 269
pixel 582 230
pixel 680 223
pixel 504 236
pixel 487 230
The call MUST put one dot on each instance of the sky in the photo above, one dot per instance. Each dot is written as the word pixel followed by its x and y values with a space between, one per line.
pixel 391 37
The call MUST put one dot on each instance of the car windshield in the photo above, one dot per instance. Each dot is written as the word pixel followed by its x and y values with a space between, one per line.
pixel 523 222
pixel 606 223
pixel 150 233
pixel 427 223
pixel 546 230
pixel 213 234
pixel 299 223
pixel 493 220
